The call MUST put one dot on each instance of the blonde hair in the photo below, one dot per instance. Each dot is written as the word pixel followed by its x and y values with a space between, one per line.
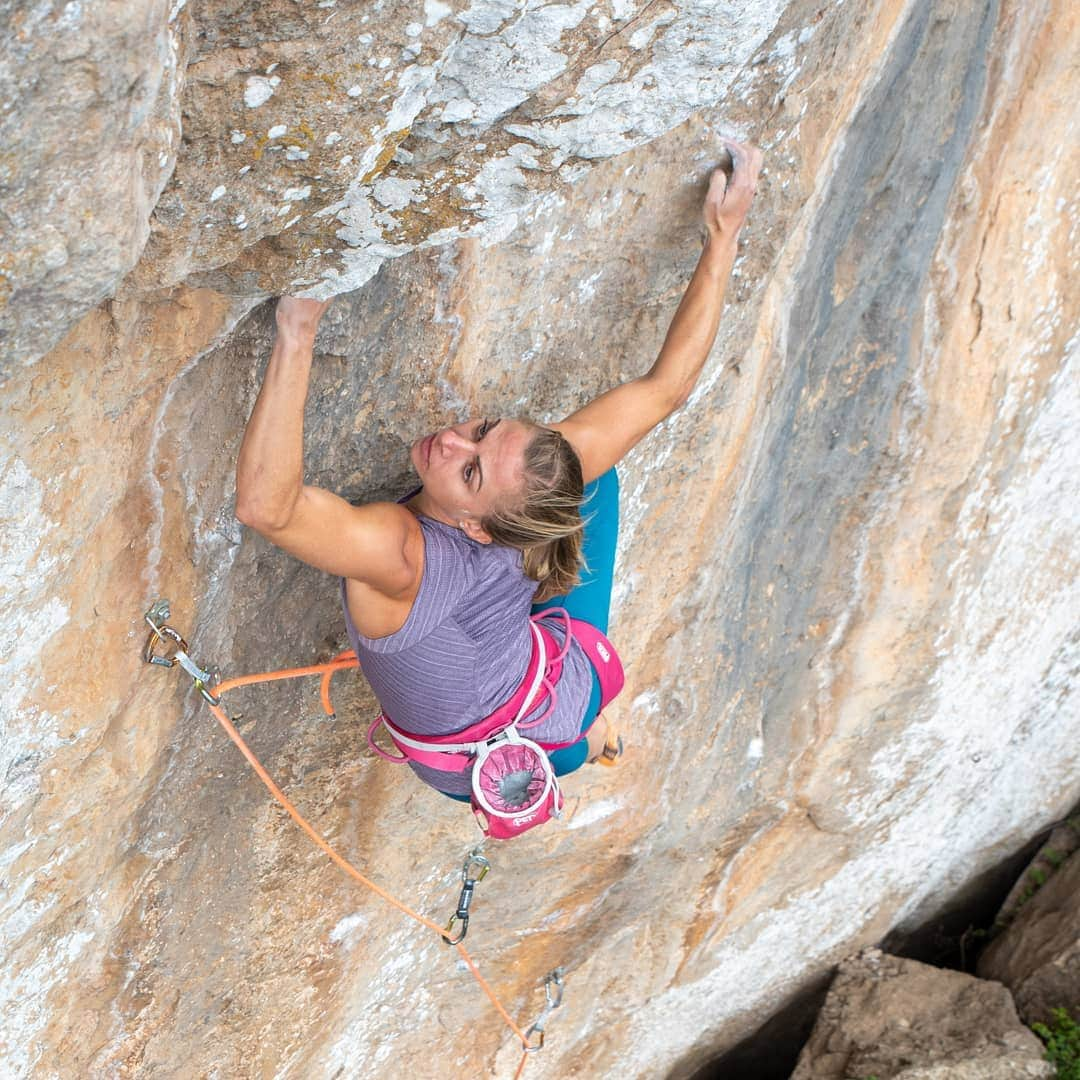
pixel 544 522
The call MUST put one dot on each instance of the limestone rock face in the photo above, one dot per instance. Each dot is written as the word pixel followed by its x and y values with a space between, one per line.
pixel 1038 957
pixel 90 128
pixel 321 140
pixel 894 1019
pixel 847 585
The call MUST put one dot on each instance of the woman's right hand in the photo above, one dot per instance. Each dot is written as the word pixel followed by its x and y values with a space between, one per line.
pixel 728 200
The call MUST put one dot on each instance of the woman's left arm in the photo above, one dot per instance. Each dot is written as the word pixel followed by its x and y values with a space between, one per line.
pixel 610 425
pixel 379 544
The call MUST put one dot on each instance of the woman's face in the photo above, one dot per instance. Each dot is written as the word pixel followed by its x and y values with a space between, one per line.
pixel 469 468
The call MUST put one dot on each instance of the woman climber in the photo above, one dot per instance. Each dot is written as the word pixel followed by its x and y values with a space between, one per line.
pixel 439 588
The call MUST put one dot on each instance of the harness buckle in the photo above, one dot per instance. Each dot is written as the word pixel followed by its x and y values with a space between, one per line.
pixel 474 858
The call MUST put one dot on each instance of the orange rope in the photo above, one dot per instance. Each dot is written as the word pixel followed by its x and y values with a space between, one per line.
pixel 327 670
pixel 337 664
pixel 521 1065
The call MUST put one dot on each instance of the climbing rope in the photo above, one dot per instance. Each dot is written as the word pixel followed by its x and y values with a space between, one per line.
pixel 175 653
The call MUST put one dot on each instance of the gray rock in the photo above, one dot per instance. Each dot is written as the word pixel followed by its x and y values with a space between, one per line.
pixel 1038 957
pixel 1061 843
pixel 90 129
pixel 318 142
pixel 889 1018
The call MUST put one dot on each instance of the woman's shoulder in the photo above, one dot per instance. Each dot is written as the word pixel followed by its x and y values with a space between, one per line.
pixel 451 543
pixel 449 553
pixel 449 561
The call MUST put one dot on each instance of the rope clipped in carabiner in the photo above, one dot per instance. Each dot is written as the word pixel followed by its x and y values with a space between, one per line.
pixel 474 858
pixel 176 653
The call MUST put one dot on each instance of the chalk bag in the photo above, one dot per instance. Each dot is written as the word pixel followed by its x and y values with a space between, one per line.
pixel 513 786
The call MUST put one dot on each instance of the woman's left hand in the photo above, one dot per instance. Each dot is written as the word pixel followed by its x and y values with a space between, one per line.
pixel 298 317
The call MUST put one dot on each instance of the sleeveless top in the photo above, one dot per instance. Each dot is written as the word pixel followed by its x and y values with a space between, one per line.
pixel 464 649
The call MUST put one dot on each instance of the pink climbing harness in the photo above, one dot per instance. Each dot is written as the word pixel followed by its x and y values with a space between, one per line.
pixel 514 787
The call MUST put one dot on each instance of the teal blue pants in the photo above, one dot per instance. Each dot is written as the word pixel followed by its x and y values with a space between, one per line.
pixel 590 599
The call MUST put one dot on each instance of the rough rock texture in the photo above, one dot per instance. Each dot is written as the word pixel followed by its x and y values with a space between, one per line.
pixel 1038 957
pixel 1059 845
pixel 847 593
pixel 320 144
pixel 89 131
pixel 891 1019
pixel 320 140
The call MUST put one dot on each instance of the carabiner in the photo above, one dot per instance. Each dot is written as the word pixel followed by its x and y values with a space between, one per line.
pixel 538 1028
pixel 554 1000
pixel 450 926
pixel 474 856
pixel 159 630
pixel 554 978
pixel 207 696
pixel 465 899
pixel 159 633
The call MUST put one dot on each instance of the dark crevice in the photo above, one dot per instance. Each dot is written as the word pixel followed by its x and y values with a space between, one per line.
pixel 952 938
pixel 771 1052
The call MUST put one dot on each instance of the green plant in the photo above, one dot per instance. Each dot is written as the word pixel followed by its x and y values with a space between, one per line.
pixel 1037 878
pixel 1062 1044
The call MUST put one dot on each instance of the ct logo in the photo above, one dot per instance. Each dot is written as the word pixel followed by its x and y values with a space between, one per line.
pixel 604 654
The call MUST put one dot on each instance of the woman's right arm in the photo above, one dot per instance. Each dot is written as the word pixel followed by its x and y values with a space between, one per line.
pixel 376 543
pixel 609 426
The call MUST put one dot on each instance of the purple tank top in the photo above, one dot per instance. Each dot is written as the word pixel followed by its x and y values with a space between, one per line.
pixel 464 648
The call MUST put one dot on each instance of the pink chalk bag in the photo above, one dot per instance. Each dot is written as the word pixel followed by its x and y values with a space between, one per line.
pixel 514 787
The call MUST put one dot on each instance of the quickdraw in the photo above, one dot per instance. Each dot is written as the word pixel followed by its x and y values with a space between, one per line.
pixel 175 653
pixel 160 631
pixel 553 991
pixel 465 899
